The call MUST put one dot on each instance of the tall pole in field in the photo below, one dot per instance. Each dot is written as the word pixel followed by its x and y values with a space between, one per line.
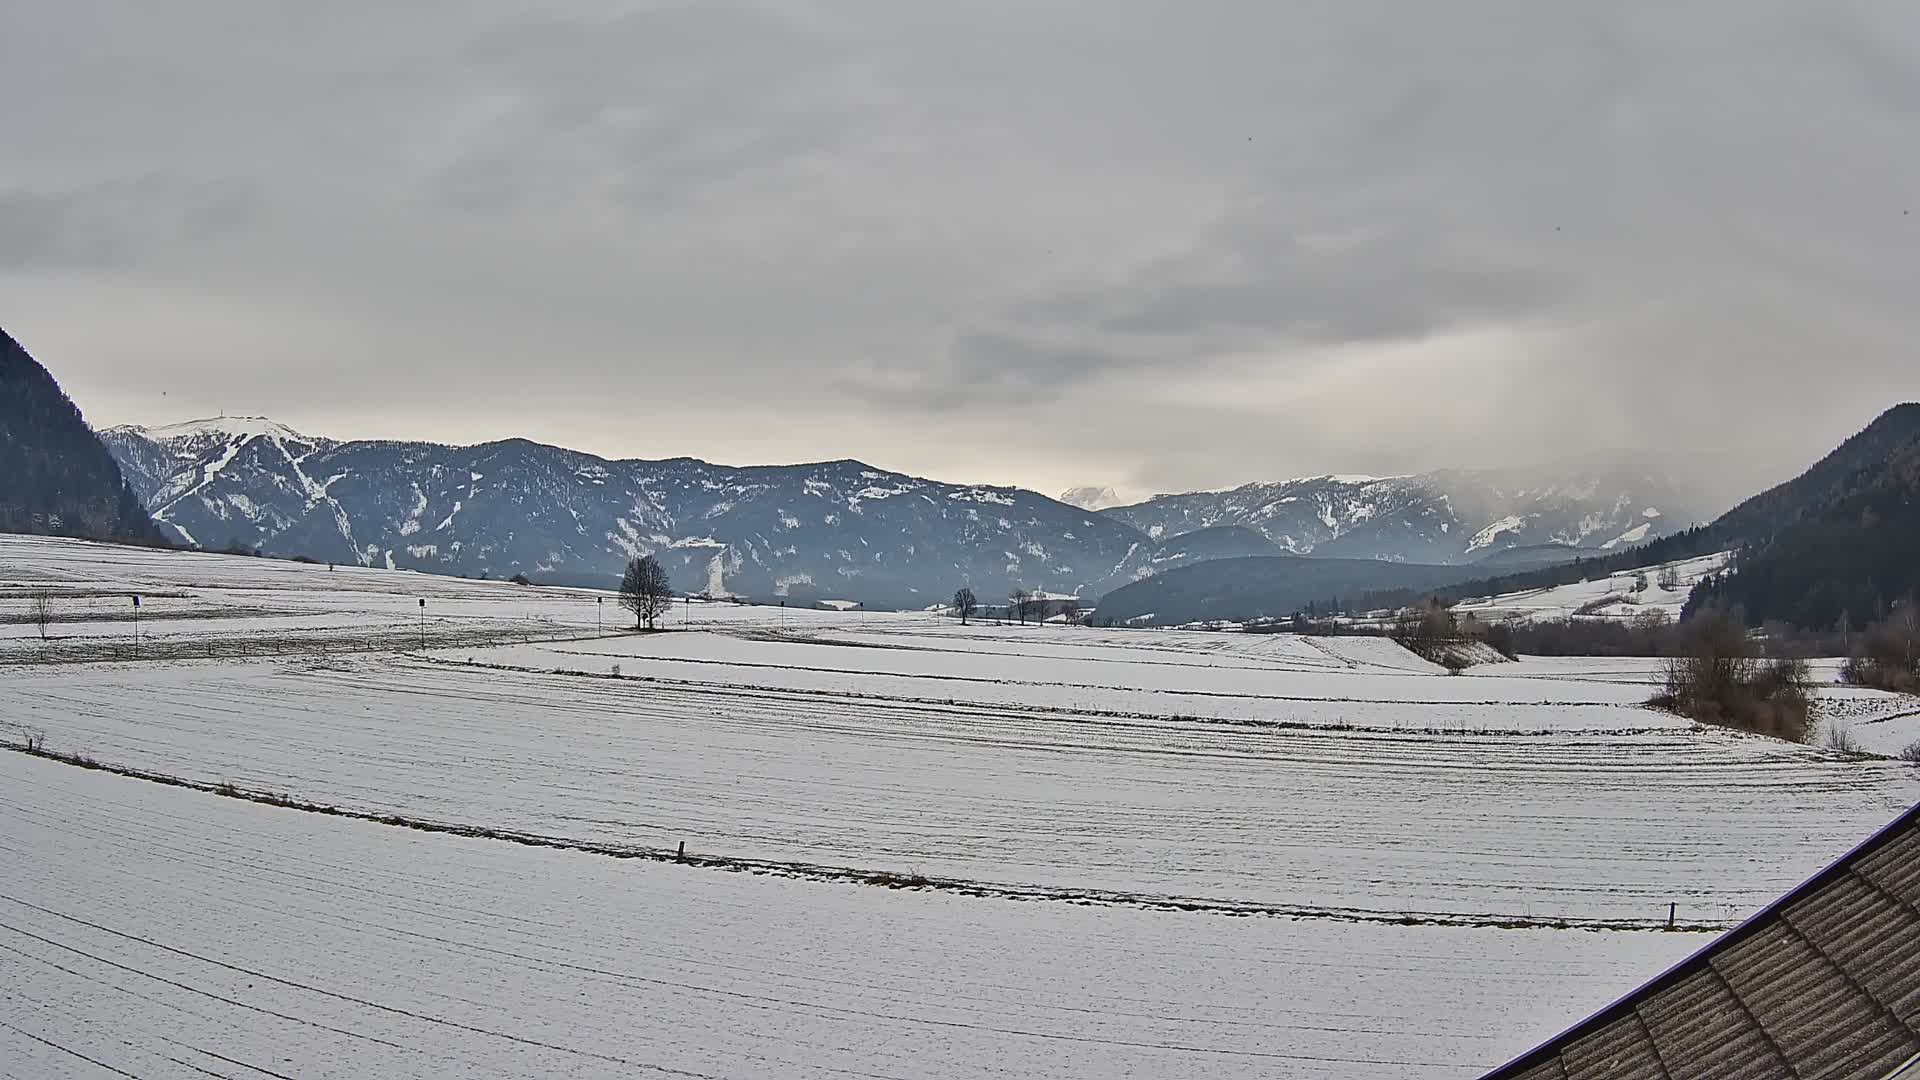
pixel 599 605
pixel 423 623
pixel 136 627
pixel 686 609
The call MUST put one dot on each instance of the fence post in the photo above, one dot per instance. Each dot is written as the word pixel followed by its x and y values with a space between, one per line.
pixel 1672 910
pixel 682 856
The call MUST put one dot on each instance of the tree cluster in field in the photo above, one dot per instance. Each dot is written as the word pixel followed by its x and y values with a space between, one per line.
pixel 1430 631
pixel 1022 605
pixel 1717 675
pixel 56 477
pixel 1887 655
pixel 645 591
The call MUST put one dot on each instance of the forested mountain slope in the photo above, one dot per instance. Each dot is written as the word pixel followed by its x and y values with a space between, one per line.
pixel 55 476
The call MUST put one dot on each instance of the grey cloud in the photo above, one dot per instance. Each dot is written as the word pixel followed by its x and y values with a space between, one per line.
pixel 119 222
pixel 644 107
pixel 1149 244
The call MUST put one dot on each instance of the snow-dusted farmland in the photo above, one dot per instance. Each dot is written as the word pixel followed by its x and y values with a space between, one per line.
pixel 168 933
pixel 1406 841
pixel 1615 596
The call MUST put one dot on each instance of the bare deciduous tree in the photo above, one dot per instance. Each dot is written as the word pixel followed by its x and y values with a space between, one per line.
pixel 41 612
pixel 645 590
pixel 1017 603
pixel 965 604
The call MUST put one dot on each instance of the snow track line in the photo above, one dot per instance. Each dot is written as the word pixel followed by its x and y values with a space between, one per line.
pixel 892 879
pixel 183 986
pixel 322 991
pixel 409 1014
pixel 1063 710
pixel 95 1062
pixel 121 989
pixel 863 672
pixel 1338 663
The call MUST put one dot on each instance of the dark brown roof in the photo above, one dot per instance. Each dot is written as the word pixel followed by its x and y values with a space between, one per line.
pixel 1825 983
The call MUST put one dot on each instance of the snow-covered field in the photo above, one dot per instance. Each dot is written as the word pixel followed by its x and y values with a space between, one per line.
pixel 1435 871
pixel 169 933
pixel 1616 596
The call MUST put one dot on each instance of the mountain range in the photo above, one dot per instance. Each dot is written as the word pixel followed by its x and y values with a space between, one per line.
pixel 1830 548
pixel 839 529
pixel 832 529
pixel 1444 517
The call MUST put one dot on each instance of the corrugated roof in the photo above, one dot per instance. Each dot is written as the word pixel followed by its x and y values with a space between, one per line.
pixel 1822 985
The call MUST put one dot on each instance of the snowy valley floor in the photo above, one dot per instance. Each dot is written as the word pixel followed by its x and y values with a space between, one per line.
pixel 1132 852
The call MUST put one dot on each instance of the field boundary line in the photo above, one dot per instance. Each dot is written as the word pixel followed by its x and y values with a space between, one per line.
pixel 882 878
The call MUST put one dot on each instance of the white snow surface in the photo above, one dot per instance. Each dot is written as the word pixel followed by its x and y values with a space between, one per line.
pixel 168 933
pixel 1330 788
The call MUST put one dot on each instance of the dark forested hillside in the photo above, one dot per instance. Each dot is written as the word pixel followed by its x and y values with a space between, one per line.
pixel 56 477
pixel 1847 562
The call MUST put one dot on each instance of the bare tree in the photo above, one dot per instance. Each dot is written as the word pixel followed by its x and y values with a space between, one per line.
pixel 965 604
pixel 1669 579
pixel 42 611
pixel 1017 602
pixel 645 590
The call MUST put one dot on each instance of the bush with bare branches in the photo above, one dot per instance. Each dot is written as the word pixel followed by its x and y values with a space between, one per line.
pixel 1718 677
pixel 1887 656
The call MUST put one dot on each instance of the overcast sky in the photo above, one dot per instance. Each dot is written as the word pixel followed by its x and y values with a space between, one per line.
pixel 1156 245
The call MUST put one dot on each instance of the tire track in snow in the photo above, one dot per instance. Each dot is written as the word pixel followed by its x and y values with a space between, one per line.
pixel 894 879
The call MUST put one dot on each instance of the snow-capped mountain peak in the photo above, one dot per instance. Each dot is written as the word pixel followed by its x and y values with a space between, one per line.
pixel 1091 498
pixel 227 428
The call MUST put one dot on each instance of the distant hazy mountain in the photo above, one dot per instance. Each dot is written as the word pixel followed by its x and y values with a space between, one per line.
pixel 1090 498
pixel 55 476
pixel 1837 540
pixel 1437 518
pixel 832 529
pixel 1263 587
